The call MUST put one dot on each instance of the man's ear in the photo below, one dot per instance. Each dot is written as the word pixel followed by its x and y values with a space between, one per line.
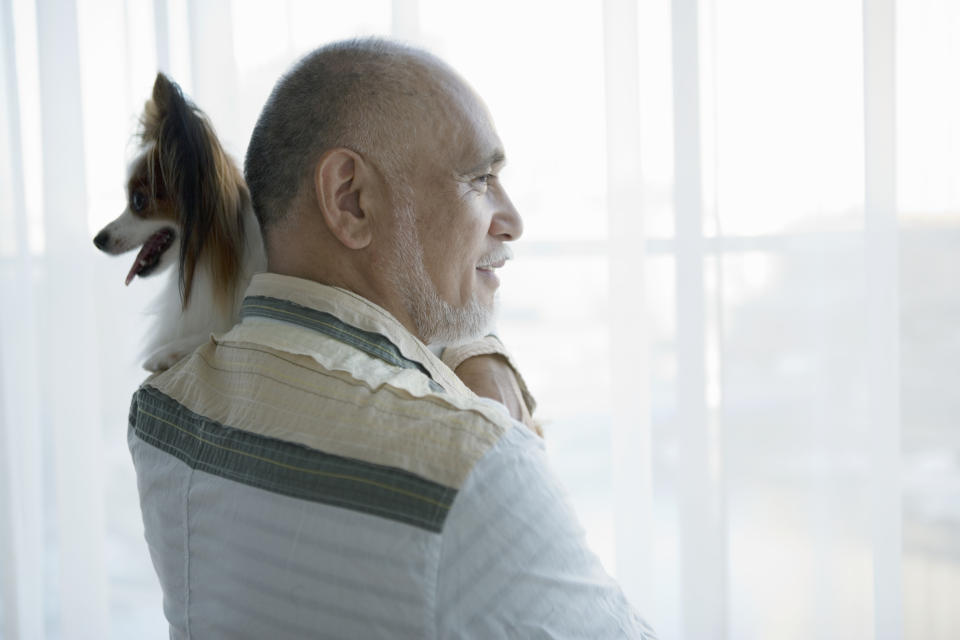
pixel 339 177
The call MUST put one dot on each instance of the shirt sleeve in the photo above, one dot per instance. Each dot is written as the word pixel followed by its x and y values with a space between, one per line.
pixel 515 563
pixel 488 345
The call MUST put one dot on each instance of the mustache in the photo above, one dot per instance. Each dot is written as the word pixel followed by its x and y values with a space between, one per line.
pixel 501 254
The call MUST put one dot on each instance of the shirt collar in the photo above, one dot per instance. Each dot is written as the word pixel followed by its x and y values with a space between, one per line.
pixel 355 312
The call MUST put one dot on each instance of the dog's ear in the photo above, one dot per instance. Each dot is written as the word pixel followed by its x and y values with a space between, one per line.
pixel 205 186
pixel 183 155
pixel 162 88
pixel 165 98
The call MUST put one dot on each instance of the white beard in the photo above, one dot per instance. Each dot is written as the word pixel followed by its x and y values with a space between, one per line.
pixel 436 321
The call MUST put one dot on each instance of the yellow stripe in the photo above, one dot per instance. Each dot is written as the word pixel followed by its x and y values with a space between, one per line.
pixel 339 476
pixel 410 411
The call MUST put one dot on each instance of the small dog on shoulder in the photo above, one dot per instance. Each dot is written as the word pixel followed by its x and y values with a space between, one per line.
pixel 187 205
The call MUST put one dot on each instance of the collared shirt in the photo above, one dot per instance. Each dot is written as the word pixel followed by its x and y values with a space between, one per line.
pixel 317 472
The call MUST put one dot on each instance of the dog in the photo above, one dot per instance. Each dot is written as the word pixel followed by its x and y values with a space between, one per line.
pixel 188 207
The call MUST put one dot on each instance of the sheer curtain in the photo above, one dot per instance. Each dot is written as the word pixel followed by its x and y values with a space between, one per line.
pixel 734 299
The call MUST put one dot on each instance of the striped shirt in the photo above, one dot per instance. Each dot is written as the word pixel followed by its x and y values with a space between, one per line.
pixel 317 472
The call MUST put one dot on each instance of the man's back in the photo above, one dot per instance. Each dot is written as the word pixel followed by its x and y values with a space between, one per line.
pixel 316 472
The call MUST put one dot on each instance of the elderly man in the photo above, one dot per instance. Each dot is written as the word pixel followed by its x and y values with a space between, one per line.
pixel 317 471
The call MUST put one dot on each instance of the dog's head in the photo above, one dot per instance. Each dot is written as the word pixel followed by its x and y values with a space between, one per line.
pixel 184 197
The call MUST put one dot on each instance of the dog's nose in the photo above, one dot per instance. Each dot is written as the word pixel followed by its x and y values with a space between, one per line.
pixel 102 240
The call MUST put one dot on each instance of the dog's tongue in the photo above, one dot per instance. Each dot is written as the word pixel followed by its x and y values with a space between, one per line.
pixel 148 253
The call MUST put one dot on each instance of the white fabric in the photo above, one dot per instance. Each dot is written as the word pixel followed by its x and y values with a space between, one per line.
pixel 240 554
pixel 511 562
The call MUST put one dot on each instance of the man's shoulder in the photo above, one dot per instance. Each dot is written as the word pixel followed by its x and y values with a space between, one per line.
pixel 345 404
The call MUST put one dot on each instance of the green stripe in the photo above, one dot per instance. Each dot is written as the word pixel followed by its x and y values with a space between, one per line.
pixel 287 468
pixel 374 344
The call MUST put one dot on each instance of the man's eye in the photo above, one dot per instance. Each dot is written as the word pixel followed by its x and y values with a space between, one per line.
pixel 138 201
pixel 486 178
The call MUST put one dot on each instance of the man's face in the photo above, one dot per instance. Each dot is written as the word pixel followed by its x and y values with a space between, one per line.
pixel 454 219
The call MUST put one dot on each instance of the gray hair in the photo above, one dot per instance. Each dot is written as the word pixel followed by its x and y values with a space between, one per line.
pixel 366 95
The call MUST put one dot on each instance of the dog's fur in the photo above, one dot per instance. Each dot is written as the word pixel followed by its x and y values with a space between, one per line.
pixel 188 206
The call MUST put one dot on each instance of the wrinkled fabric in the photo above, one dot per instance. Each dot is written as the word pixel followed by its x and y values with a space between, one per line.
pixel 317 472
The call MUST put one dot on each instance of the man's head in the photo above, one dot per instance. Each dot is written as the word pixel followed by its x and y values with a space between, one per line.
pixel 374 167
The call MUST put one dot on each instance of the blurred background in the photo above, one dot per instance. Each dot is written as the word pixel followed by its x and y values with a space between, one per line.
pixel 734 299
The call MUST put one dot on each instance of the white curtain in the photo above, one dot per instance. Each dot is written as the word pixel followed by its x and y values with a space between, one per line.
pixel 735 298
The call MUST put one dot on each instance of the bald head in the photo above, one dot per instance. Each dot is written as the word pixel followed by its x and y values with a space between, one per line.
pixel 372 96
pixel 374 168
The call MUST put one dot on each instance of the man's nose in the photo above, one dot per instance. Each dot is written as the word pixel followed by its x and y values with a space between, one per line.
pixel 507 225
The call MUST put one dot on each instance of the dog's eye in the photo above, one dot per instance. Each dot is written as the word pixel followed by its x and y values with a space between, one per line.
pixel 138 201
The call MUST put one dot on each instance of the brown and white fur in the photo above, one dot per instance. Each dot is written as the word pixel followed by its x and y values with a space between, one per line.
pixel 189 208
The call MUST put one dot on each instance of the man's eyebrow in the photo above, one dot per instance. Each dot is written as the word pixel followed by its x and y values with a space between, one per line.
pixel 495 159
